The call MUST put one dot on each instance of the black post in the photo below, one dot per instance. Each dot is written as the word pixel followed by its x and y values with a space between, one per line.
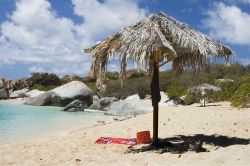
pixel 155 123
pixel 156 97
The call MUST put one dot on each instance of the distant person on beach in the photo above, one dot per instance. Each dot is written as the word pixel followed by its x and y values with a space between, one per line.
pixel 203 94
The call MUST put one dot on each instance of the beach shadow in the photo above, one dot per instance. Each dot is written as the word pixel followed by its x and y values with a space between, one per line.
pixel 197 143
pixel 210 105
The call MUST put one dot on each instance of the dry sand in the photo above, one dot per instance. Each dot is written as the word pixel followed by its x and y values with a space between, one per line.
pixel 224 129
pixel 13 101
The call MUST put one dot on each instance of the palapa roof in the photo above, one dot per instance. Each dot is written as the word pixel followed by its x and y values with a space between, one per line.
pixel 157 38
pixel 203 87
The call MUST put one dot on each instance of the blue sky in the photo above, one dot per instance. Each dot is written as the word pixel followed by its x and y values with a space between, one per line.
pixel 50 35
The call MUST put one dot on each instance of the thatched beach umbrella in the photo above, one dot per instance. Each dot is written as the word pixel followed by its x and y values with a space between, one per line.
pixel 205 86
pixel 151 43
pixel 202 88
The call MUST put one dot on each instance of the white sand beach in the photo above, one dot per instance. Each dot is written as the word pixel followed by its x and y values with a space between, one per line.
pixel 224 129
pixel 13 101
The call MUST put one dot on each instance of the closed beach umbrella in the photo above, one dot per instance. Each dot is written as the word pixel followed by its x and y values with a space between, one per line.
pixel 151 43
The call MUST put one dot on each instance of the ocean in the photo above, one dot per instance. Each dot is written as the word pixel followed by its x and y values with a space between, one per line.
pixel 22 122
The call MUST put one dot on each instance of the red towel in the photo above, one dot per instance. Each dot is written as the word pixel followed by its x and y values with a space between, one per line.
pixel 109 140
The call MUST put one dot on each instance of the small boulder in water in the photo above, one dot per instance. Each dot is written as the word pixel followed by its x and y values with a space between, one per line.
pixel 103 103
pixel 75 106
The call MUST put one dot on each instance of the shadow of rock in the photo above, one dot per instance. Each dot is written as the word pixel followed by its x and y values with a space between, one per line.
pixel 197 143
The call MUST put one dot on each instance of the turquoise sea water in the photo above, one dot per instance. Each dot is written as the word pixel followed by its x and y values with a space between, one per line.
pixel 20 122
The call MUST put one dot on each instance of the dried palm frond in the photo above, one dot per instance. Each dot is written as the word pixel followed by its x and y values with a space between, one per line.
pixel 202 87
pixel 157 38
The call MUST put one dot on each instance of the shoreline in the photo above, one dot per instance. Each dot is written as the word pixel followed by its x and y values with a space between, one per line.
pixel 211 123
pixel 104 119
pixel 50 135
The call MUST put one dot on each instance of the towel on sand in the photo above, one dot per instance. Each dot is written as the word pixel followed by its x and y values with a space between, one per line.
pixel 109 140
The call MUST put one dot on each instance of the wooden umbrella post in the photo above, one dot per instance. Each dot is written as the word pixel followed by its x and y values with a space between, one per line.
pixel 155 123
pixel 156 97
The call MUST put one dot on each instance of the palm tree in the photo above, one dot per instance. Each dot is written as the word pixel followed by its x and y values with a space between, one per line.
pixel 151 43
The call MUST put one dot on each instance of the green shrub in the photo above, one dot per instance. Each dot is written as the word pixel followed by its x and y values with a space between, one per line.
pixel 91 85
pixel 64 81
pixel 130 87
pixel 241 97
pixel 176 90
pixel 39 87
pixel 192 98
pixel 42 88
pixel 35 74
pixel 227 91
pixel 143 89
pixel 112 75
pixel 175 84
pixel 135 73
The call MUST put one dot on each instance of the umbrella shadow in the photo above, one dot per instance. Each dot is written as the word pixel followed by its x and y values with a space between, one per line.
pixel 196 143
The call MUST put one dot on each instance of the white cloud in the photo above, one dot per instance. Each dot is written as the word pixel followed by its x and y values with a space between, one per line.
pixel 36 69
pixel 238 1
pixel 37 36
pixel 228 23
pixel 244 61
pixel 101 19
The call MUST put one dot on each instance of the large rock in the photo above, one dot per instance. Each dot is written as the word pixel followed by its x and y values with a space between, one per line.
pixel 34 93
pixel 13 85
pixel 3 94
pixel 8 86
pixel 44 79
pixel 42 100
pixel 75 106
pixel 75 90
pixel 1 83
pixel 18 93
pixel 18 84
pixel 63 95
pixel 131 106
pixel 103 103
